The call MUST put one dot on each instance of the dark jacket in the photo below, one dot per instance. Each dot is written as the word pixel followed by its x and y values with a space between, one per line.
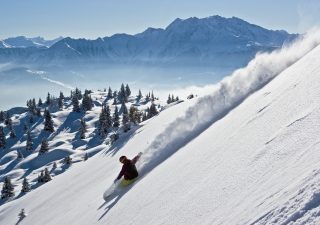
pixel 129 170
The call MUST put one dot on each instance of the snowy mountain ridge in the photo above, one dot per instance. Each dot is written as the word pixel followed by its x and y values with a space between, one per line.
pixel 24 42
pixel 247 153
pixel 212 40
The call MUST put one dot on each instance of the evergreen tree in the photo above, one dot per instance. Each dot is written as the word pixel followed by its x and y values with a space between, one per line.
pixel 9 123
pixel 3 140
pixel 38 113
pixel 48 100
pixel 7 119
pixel 78 93
pixel 67 160
pixel 116 118
pixel 75 103
pixel 19 155
pixel 25 127
pixel 7 188
pixel 139 96
pixel 128 92
pixel 29 143
pixel 48 123
pixel 40 102
pixel 25 186
pixel 2 117
pixel 134 115
pixel 147 98
pixel 152 96
pixel 109 96
pixel 12 133
pixel 31 120
pixel 114 101
pixel 87 101
pixel 61 96
pixel 54 166
pixel 177 99
pixel 44 146
pixel 123 109
pixel 46 176
pixel 122 96
pixel 83 129
pixel 144 116
pixel 152 111
pixel 125 122
pixel 105 121
pixel 169 100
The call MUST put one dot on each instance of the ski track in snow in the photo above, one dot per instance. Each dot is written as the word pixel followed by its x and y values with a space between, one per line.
pixel 226 95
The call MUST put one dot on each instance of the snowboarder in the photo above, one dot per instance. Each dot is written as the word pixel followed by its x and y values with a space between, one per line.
pixel 129 170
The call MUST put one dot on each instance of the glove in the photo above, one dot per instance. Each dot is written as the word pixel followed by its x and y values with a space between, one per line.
pixel 140 153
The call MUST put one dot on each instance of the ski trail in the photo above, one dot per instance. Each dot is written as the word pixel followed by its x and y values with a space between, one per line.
pixel 226 95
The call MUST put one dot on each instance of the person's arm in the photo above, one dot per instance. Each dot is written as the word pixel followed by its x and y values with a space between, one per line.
pixel 135 159
pixel 120 174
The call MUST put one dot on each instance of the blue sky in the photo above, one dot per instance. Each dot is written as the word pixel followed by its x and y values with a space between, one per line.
pixel 99 18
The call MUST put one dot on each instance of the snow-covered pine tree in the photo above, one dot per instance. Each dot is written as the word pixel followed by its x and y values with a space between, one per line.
pixel 61 95
pixel 67 160
pixel 152 111
pixel 152 96
pixel 9 123
pixel 144 116
pixel 25 186
pixel 78 93
pixel 40 102
pixel 103 128
pixel 7 119
pixel 116 118
pixel 2 117
pixel 3 140
pixel 25 127
pixel 48 100
pixel 133 111
pixel 7 188
pixel 19 155
pixel 29 143
pixel 125 122
pixel 44 146
pixel 139 96
pixel 169 99
pixel 22 215
pixel 87 101
pixel 147 98
pixel 54 166
pixel 12 133
pixel 128 92
pixel 122 97
pixel 40 177
pixel 48 123
pixel 46 175
pixel 75 104
pixel 108 117
pixel 38 112
pixel 31 120
pixel 123 109
pixel 83 129
pixel 109 96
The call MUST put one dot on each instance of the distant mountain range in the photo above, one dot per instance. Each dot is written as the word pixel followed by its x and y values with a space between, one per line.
pixel 24 42
pixel 208 41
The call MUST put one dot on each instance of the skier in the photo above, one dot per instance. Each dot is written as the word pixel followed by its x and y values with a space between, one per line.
pixel 129 170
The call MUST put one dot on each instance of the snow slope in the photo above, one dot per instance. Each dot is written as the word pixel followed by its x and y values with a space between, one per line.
pixel 245 154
